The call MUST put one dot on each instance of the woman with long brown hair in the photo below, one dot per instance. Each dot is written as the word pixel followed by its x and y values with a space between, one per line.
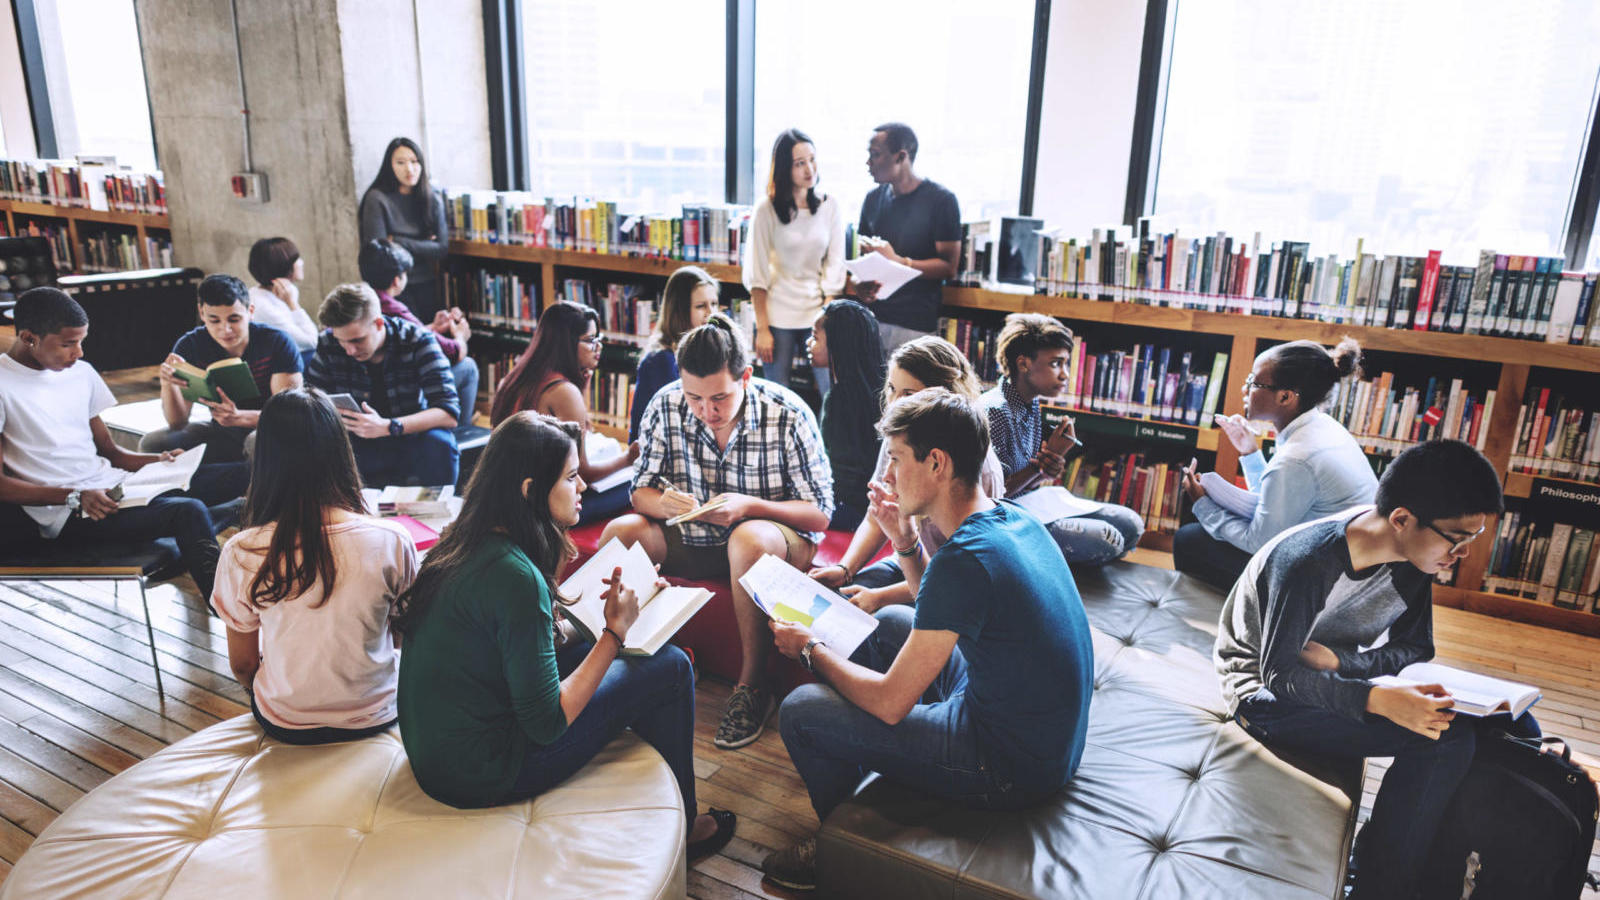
pixel 689 299
pixel 401 205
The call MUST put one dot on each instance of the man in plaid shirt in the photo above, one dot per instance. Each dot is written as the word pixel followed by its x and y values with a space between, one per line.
pixel 405 431
pixel 753 446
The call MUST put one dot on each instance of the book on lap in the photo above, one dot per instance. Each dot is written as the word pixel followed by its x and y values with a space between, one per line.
pixel 787 594
pixel 1474 694
pixel 157 478
pixel 231 375
pixel 663 609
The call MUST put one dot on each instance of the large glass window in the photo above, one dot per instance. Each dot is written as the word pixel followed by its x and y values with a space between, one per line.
pixel 1451 126
pixel 954 70
pixel 625 99
pixel 95 75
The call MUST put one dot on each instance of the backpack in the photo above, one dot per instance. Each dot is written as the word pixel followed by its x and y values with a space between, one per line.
pixel 1520 827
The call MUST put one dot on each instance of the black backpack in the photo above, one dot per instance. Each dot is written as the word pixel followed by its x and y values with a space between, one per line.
pixel 1520 827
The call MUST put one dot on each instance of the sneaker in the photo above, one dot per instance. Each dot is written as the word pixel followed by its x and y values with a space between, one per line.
pixel 794 868
pixel 745 717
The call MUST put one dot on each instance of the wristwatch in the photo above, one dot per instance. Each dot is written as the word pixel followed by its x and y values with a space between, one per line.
pixel 75 500
pixel 395 428
pixel 805 653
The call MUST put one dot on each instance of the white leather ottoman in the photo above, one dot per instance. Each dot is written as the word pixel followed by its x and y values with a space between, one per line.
pixel 231 813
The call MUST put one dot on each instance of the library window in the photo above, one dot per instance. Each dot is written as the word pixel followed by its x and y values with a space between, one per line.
pixel 625 100
pixel 955 71
pixel 1414 126
pixel 95 78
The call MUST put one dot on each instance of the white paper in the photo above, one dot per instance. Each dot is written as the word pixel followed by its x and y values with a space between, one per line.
pixel 623 475
pixel 155 479
pixel 1230 496
pixel 786 594
pixel 890 275
pixel 1047 504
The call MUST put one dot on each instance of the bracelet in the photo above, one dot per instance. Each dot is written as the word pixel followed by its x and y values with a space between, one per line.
pixel 848 575
pixel 608 630
pixel 910 551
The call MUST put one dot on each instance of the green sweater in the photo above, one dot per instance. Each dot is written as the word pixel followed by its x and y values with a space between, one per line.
pixel 478 679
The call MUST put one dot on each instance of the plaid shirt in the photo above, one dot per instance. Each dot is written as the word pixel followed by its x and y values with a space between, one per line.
pixel 1016 428
pixel 775 453
pixel 416 374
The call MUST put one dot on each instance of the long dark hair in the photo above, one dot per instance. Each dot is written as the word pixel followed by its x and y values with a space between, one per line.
pixel 780 181
pixel 553 348
pixel 855 359
pixel 677 304
pixel 526 445
pixel 303 467
pixel 386 181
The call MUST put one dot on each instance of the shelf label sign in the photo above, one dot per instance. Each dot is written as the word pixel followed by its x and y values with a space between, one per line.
pixel 1565 501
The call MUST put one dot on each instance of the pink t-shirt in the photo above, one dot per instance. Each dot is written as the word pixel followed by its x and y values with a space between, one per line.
pixel 332 665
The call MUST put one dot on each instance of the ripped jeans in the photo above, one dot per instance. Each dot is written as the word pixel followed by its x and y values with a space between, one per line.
pixel 1099 537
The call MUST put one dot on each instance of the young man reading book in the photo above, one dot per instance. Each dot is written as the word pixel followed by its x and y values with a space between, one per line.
pixel 751 453
pixel 403 432
pixel 226 332
pixel 1035 352
pixel 981 693
pixel 61 471
pixel 386 267
pixel 1295 671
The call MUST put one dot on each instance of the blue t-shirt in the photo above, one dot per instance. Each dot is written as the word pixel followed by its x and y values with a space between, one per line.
pixel 1001 584
pixel 268 352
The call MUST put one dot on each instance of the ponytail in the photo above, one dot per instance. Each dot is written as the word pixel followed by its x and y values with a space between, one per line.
pixel 1311 371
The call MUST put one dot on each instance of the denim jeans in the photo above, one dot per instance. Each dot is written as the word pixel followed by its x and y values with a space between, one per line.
pixel 882 573
pixel 465 375
pixel 1218 563
pixel 789 344
pixel 310 737
pixel 223 444
pixel 846 516
pixel 1415 792
pixel 834 743
pixel 427 458
pixel 601 505
pixel 1100 537
pixel 653 695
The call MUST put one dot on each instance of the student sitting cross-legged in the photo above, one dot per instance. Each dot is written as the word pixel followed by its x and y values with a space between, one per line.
pixel 403 433
pixel 753 447
pixel 1293 647
pixel 386 267
pixel 226 331
pixel 1035 351
pixel 980 694
pixel 307 588
pixel 61 470
pixel 494 708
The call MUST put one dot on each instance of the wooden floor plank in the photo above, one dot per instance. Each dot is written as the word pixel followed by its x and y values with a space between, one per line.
pixel 24 810
pixel 37 783
pixel 13 842
pixel 67 766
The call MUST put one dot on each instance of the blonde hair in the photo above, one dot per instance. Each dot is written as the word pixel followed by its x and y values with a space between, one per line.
pixel 354 302
pixel 936 363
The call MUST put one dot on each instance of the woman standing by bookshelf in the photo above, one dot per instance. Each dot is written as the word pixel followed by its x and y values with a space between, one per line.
pixel 794 259
pixel 1318 469
pixel 276 266
pixel 495 707
pixel 550 378
pixel 402 206
pixel 844 341
pixel 689 299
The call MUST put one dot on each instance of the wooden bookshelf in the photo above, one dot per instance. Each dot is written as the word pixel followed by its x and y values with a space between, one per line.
pixel 141 223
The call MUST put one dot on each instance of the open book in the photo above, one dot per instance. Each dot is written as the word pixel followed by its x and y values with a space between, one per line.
pixel 1230 496
pixel 232 375
pixel 661 612
pixel 1475 695
pixel 788 595
pixel 157 478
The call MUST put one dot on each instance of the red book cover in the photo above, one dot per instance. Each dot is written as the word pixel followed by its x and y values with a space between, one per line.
pixel 1430 284
pixel 422 535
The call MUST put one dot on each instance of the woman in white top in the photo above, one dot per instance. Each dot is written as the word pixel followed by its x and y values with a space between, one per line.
pixel 307 588
pixel 794 259
pixel 275 264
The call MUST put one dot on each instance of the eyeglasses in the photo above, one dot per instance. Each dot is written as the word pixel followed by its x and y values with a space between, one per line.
pixel 1250 384
pixel 593 340
pixel 1458 545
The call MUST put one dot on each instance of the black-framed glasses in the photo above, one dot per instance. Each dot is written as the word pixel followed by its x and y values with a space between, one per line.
pixel 1457 544
pixel 1250 384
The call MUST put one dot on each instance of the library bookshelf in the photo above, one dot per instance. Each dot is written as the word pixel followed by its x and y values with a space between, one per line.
pixel 17 213
pixel 1248 335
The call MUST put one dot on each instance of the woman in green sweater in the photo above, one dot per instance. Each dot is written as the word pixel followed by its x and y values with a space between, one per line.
pixel 492 710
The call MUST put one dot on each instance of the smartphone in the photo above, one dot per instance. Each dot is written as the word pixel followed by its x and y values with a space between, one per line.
pixel 345 401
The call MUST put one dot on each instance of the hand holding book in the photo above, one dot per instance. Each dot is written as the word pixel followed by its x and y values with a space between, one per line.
pixel 621 606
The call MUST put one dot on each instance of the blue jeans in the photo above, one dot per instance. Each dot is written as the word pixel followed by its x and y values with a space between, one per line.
pixel 653 695
pixel 606 504
pixel 223 443
pixel 427 458
pixel 846 516
pixel 789 344
pixel 1415 792
pixel 1099 537
pixel 882 573
pixel 834 743
pixel 465 374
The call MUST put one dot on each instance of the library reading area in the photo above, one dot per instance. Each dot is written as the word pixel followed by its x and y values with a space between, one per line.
pixel 553 449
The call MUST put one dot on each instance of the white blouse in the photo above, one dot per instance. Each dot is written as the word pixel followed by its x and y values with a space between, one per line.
pixel 800 265
pixel 296 322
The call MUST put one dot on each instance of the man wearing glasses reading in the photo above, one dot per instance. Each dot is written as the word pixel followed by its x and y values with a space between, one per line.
pixel 1295 647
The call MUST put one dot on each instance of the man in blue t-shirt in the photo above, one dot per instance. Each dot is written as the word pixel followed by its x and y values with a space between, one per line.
pixel 912 221
pixel 979 695
pixel 225 331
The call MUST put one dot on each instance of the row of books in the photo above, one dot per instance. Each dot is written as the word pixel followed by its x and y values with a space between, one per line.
pixel 1557 436
pixel 503 300
pixel 1552 563
pixel 711 233
pixel 109 252
pixel 976 342
pixel 86 185
pixel 1386 417
pixel 1156 383
pixel 609 393
pixel 1502 295
pixel 623 308
pixel 60 241
pixel 1153 490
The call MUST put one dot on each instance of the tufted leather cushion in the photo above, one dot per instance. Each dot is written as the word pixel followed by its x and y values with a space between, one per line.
pixel 1172 798
pixel 231 813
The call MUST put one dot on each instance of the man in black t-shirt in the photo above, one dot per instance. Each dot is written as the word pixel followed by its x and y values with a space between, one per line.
pixel 913 221
pixel 225 331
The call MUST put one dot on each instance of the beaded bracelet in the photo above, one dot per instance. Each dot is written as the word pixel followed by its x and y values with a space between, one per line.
pixel 910 551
